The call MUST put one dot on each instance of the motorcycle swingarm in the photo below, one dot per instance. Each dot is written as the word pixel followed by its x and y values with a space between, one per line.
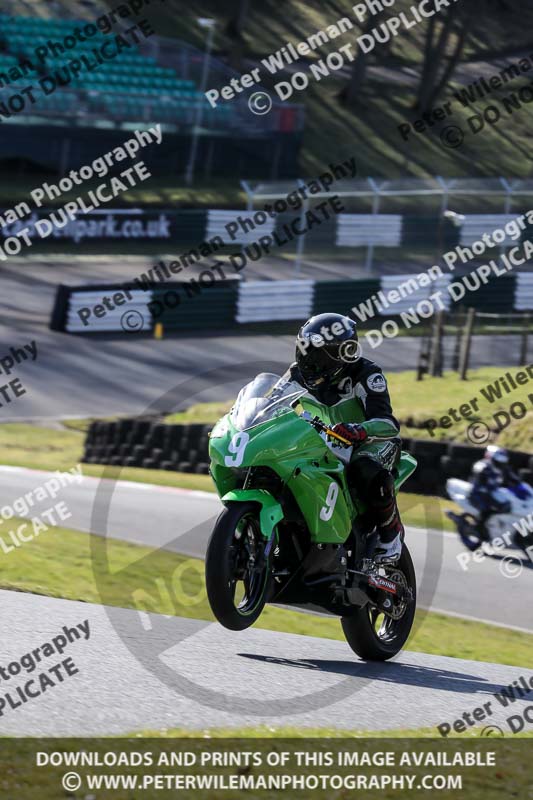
pixel 375 589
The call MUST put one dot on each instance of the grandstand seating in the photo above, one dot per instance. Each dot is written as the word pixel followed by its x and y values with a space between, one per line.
pixel 132 86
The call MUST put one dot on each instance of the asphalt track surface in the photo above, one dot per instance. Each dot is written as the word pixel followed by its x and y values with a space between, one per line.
pixel 256 677
pixel 75 376
pixel 497 590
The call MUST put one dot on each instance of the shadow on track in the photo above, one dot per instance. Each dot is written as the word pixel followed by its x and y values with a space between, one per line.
pixel 392 672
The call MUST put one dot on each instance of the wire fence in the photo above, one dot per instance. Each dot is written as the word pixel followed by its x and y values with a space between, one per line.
pixel 449 342
pixel 388 221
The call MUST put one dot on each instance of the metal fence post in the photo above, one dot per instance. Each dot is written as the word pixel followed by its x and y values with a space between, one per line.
pixel 301 238
pixel 506 208
pixel 209 24
pixel 375 210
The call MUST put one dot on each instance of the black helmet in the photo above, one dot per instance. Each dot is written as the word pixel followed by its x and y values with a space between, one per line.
pixel 325 347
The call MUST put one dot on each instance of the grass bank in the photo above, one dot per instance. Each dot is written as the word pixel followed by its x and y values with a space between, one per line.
pixel 415 403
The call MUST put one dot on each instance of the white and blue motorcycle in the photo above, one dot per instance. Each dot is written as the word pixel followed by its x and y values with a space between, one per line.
pixel 511 520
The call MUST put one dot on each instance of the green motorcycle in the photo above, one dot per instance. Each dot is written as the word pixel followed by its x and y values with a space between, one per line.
pixel 292 531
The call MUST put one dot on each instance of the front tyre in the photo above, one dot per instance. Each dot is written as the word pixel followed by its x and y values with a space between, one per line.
pixel 376 636
pixel 236 570
pixel 467 528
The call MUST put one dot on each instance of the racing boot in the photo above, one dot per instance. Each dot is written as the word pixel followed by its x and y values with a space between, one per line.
pixel 387 552
pixel 391 534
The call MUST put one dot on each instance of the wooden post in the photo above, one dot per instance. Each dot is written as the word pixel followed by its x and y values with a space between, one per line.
pixel 457 342
pixel 423 356
pixel 464 356
pixel 435 365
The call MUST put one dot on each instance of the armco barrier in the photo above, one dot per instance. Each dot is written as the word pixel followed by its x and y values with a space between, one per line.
pixel 124 307
pixel 496 296
pixel 183 228
pixel 475 225
pixel 137 304
pixel 210 303
pixel 359 230
pixel 392 282
pixel 184 448
pixel 262 301
pixel 218 219
pixel 342 295
pixel 200 307
pixel 159 226
pixel 523 300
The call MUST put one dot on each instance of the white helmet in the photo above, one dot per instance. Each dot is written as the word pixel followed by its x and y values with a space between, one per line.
pixel 496 455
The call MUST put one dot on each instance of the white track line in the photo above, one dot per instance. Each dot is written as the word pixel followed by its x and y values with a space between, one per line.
pixel 127 484
pixel 477 619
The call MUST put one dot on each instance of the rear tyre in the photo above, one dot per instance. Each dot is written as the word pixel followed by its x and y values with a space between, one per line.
pixel 375 636
pixel 237 573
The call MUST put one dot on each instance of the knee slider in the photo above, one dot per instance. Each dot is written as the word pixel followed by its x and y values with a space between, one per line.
pixel 381 489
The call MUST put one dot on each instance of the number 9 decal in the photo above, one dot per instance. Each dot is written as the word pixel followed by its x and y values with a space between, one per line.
pixel 326 512
pixel 237 446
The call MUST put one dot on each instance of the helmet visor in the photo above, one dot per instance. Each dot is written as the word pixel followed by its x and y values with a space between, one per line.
pixel 317 366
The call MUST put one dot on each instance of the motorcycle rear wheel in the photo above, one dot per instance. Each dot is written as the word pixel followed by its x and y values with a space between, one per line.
pixel 371 634
pixel 237 574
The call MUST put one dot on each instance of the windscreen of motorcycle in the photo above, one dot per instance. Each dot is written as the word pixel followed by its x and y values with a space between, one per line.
pixel 264 398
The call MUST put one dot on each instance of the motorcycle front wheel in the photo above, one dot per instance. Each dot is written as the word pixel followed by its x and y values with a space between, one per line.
pixel 375 636
pixel 468 532
pixel 237 572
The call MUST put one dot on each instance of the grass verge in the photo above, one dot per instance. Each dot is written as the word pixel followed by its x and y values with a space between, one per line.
pixel 290 732
pixel 80 566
